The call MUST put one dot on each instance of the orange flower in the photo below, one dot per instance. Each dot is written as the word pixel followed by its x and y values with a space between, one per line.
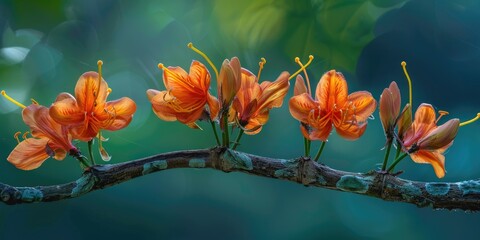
pixel 186 95
pixel 254 101
pixel 50 139
pixel 426 142
pixel 88 112
pixel 332 107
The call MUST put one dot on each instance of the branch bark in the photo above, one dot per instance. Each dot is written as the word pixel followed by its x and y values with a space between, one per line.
pixel 463 195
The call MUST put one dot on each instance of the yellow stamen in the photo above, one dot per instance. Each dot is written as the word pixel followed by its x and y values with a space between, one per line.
pixel 260 64
pixel 162 67
pixel 34 101
pixel 297 60
pixel 95 92
pixel 12 100
pixel 190 45
pixel 470 121
pixel 310 58
pixel 24 136
pixel 109 90
pixel 16 136
pixel 404 66
pixel 441 114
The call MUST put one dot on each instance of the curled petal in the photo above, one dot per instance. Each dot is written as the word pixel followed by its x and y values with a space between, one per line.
pixel 363 104
pixel 29 154
pixel 160 106
pixel 351 131
pixel 332 91
pixel 120 113
pixel 65 110
pixel 437 160
pixel 274 92
pixel 301 105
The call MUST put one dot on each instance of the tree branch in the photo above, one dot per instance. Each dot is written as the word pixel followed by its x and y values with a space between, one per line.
pixel 456 195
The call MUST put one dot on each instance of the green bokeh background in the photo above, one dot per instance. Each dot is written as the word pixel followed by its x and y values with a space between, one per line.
pixel 46 46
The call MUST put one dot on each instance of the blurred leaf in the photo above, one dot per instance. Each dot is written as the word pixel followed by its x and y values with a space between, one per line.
pixel 17 44
pixel 41 15
pixel 333 30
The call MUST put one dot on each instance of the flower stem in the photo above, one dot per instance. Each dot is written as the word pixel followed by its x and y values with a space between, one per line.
pixel 320 150
pixel 306 144
pixel 215 132
pixel 399 149
pixel 396 162
pixel 226 137
pixel 387 154
pixel 237 140
pixel 90 153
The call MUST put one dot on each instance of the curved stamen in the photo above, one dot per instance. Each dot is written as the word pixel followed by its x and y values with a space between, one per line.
pixel 16 136
pixel 441 113
pixel 190 45
pixel 470 121
pixel 297 60
pixel 260 64
pixel 404 66
pixel 310 59
pixel 12 100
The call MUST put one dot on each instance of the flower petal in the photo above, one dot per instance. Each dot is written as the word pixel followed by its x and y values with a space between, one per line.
pixel 300 86
pixel 363 103
pixel 351 131
pixel 213 106
pixel 332 91
pixel 91 92
pixel 321 131
pixel 199 75
pixel 440 136
pixel 121 112
pixel 424 123
pixel 29 154
pixel 161 107
pixel 436 159
pixel 301 105
pixel 65 110
pixel 274 92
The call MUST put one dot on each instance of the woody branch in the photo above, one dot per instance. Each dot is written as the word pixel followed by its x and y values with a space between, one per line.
pixel 438 195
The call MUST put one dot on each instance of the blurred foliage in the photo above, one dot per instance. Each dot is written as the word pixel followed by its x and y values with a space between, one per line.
pixel 333 30
pixel 46 45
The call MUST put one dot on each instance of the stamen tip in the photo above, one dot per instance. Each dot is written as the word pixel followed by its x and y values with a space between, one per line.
pixel 404 63
pixel 190 45
pixel 99 63
pixel 441 112
pixel 3 92
pixel 160 65
pixel 297 59
pixel 310 57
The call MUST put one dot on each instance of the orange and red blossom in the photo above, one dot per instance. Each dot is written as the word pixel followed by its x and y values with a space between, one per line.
pixel 390 109
pixel 89 112
pixel 426 142
pixel 50 139
pixel 332 106
pixel 186 95
pixel 254 101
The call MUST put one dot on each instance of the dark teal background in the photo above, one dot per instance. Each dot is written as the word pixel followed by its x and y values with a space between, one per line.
pixel 45 47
